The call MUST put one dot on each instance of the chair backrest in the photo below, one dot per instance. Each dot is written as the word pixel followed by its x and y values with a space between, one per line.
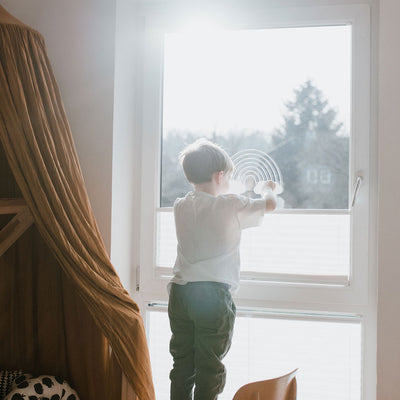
pixel 280 388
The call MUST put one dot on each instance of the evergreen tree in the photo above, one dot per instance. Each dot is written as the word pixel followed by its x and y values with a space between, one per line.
pixel 312 152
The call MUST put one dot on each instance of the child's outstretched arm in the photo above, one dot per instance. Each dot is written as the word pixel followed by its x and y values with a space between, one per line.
pixel 268 194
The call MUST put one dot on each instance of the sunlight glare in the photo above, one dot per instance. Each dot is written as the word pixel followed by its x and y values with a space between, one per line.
pixel 218 80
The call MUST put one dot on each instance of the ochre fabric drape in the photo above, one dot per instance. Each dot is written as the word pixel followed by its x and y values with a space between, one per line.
pixel 39 148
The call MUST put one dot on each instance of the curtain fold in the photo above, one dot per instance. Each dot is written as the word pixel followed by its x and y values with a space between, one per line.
pixel 38 144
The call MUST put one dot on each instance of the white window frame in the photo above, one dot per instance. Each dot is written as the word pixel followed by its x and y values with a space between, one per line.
pixel 354 291
pixel 356 297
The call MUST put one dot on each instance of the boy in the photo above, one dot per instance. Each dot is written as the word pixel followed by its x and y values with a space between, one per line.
pixel 201 311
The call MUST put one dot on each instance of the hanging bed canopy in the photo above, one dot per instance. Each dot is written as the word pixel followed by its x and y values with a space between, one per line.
pixel 63 308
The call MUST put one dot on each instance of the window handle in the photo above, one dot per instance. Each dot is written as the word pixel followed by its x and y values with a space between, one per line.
pixel 356 189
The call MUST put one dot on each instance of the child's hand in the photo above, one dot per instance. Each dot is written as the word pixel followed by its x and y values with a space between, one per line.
pixel 268 185
pixel 269 195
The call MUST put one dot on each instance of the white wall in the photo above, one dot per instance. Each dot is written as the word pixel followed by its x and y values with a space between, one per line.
pixel 80 39
pixel 126 167
pixel 389 201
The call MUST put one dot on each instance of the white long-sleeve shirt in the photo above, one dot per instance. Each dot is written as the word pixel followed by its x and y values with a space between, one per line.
pixel 208 230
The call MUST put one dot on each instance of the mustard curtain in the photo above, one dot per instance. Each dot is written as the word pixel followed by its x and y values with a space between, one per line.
pixel 39 148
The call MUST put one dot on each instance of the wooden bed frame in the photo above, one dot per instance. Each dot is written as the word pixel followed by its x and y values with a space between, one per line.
pixel 17 226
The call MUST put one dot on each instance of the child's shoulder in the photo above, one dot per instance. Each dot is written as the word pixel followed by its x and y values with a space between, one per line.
pixel 186 198
pixel 231 198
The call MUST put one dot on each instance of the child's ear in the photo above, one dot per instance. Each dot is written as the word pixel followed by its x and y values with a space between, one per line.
pixel 218 176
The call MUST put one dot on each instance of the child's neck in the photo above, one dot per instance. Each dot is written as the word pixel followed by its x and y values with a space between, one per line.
pixel 207 187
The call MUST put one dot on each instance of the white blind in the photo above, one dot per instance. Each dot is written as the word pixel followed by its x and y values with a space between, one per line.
pixel 327 353
pixel 298 244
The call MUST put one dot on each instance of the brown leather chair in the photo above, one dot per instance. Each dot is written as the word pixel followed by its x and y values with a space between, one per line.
pixel 281 388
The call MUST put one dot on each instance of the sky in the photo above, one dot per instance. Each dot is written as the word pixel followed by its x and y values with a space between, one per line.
pixel 215 81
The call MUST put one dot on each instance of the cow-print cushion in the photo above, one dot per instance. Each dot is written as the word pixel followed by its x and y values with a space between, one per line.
pixel 43 387
pixel 7 377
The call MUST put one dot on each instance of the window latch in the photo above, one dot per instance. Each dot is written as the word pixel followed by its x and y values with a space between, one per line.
pixel 356 189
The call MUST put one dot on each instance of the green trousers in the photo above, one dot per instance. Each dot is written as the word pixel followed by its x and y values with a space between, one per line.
pixel 202 316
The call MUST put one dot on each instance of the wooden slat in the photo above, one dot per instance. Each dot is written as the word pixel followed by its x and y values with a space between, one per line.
pixel 12 206
pixel 14 229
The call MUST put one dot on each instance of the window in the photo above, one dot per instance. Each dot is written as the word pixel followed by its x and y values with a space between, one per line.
pixel 317 175
pixel 230 86
pixel 293 83
pixel 266 345
pixel 239 88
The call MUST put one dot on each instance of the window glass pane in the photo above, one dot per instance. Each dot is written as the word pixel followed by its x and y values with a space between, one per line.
pixel 327 353
pixel 285 92
pixel 302 244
